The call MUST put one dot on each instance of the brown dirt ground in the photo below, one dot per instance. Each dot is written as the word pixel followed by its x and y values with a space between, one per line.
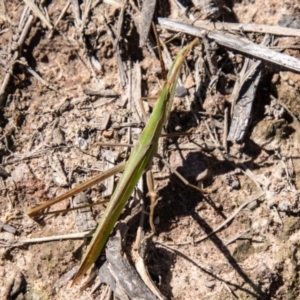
pixel 43 125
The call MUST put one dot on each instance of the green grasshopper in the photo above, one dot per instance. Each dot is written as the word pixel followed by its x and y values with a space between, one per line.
pixel 139 160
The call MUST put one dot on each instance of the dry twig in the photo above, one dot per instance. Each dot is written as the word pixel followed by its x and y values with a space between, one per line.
pixel 236 43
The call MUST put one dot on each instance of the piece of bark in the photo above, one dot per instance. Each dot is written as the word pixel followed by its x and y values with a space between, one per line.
pixel 145 20
pixel 84 218
pixel 59 176
pixel 243 95
pixel 120 274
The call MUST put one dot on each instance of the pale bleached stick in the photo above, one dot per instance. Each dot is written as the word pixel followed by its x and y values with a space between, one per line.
pixel 16 54
pixel 251 27
pixel 237 43
pixel 79 235
pixel 38 13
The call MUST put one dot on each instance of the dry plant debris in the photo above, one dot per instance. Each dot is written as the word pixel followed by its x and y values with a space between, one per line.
pixel 72 77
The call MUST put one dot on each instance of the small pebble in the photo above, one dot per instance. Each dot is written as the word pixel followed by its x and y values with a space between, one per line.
pixel 181 91
pixel 210 284
pixel 108 134
pixel 7 237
